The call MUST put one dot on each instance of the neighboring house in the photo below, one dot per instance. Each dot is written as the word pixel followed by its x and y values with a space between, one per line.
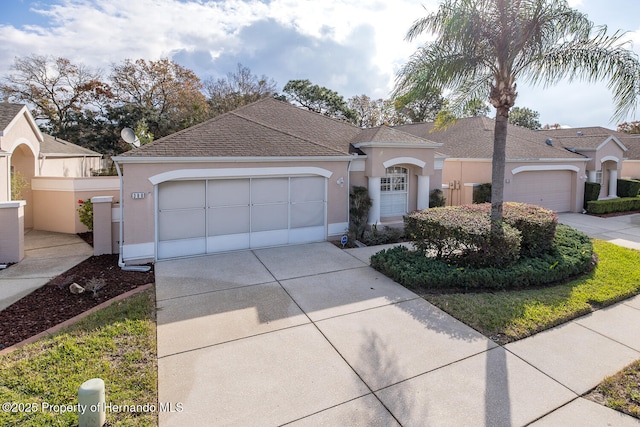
pixel 27 155
pixel 27 152
pixel 612 154
pixel 537 171
pixel 263 175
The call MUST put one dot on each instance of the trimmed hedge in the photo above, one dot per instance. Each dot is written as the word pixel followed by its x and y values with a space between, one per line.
pixel 591 192
pixel 628 188
pixel 571 254
pixel 462 236
pixel 482 193
pixel 622 204
pixel 536 224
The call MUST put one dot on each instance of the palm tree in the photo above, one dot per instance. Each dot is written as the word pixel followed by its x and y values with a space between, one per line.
pixel 483 46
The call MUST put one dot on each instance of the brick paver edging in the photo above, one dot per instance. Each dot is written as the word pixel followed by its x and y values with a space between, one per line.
pixel 54 329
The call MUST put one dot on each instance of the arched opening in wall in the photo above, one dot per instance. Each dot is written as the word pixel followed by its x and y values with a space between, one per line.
pixel 23 166
pixel 394 191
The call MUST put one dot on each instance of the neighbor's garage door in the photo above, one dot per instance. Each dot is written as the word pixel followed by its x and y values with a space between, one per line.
pixel 216 215
pixel 549 189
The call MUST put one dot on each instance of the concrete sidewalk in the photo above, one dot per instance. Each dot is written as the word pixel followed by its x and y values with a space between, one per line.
pixel 47 254
pixel 311 335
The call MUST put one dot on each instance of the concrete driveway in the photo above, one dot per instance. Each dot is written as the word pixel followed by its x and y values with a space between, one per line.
pixel 311 335
pixel 622 230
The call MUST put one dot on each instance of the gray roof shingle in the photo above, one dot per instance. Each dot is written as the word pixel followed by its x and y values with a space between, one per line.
pixel 8 112
pixel 264 128
pixel 473 138
pixel 56 146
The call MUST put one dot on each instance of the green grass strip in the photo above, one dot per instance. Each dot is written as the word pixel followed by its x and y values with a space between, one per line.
pixel 515 314
pixel 117 344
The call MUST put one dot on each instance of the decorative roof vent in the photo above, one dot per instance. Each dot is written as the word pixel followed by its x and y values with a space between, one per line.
pixel 549 142
pixel 580 133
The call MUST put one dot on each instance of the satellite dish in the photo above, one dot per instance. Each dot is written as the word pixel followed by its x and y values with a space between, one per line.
pixel 130 137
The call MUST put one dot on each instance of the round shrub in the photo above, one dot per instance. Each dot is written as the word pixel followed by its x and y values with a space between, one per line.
pixel 462 236
pixel 536 224
pixel 571 254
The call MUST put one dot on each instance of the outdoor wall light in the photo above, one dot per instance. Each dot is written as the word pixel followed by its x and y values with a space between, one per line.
pixel 340 181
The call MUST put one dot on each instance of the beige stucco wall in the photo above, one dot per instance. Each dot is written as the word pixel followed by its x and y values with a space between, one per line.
pixel 631 169
pixel 55 200
pixel 68 166
pixel 11 231
pixel 376 156
pixel 4 178
pixel 458 172
pixel 139 214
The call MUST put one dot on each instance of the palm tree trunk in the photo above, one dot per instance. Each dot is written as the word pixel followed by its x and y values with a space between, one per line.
pixel 498 167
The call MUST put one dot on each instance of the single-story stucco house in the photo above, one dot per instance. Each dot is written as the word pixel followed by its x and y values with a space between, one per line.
pixel 612 154
pixel 538 170
pixel 266 174
pixel 47 168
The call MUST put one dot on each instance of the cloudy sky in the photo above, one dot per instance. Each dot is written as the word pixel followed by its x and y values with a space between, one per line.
pixel 351 46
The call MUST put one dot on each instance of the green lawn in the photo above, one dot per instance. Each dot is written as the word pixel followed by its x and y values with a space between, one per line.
pixel 622 391
pixel 117 344
pixel 511 315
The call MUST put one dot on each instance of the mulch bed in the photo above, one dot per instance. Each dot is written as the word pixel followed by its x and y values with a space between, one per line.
pixel 54 303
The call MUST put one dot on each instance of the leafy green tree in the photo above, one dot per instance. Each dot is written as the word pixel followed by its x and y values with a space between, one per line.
pixel 237 89
pixel 419 103
pixel 476 108
pixel 482 47
pixel 525 117
pixel 319 99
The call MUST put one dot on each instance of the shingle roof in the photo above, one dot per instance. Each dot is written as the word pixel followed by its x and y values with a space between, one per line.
pixel 473 138
pixel 388 134
pixel 8 112
pixel 592 137
pixel 55 146
pixel 265 128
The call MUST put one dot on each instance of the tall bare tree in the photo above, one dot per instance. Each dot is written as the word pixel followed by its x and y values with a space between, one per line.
pixel 168 96
pixel 57 90
pixel 239 88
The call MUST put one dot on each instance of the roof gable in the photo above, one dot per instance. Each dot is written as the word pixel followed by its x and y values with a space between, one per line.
pixel 11 113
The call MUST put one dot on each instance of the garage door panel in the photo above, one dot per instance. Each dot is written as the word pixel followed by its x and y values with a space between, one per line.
pixel 216 215
pixel 228 192
pixel 261 239
pixel 180 248
pixel 269 217
pixel 182 195
pixel 228 242
pixel 549 189
pixel 181 224
pixel 229 220
pixel 269 190
pixel 307 214
pixel 306 189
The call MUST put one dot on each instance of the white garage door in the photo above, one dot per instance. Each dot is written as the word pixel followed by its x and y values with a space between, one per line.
pixel 216 215
pixel 549 189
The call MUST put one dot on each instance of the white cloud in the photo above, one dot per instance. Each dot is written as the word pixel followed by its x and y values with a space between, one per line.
pixel 351 46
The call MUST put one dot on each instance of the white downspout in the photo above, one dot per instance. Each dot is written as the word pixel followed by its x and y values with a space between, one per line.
pixel 121 264
pixel 9 176
pixel 349 196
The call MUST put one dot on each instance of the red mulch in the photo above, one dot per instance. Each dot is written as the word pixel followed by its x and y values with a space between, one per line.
pixel 53 303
